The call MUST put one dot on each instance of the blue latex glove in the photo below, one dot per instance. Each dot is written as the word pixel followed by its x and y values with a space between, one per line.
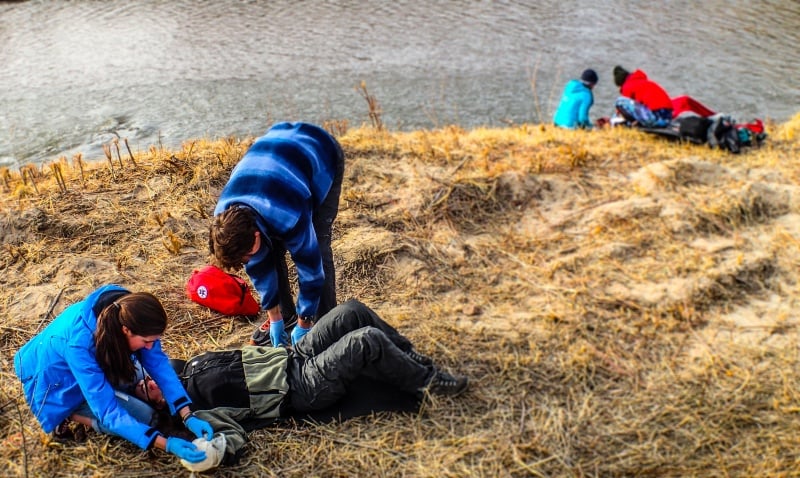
pixel 199 427
pixel 277 334
pixel 298 333
pixel 184 449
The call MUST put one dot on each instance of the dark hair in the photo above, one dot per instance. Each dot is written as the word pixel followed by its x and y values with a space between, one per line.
pixel 231 236
pixel 143 315
pixel 620 75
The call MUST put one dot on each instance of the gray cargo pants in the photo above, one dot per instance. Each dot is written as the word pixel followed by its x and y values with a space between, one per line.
pixel 350 341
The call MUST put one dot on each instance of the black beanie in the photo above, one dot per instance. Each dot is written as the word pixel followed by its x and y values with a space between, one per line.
pixel 620 75
pixel 589 77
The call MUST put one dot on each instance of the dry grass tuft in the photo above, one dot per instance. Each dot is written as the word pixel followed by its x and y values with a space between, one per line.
pixel 623 305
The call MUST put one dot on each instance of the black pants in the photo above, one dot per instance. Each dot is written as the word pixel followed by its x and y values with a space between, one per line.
pixel 348 342
pixel 322 220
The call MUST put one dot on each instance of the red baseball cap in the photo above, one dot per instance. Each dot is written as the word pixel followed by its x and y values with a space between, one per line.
pixel 221 292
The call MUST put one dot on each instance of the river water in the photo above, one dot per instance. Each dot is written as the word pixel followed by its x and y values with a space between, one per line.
pixel 74 75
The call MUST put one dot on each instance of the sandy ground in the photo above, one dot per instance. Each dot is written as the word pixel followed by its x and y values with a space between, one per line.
pixel 624 306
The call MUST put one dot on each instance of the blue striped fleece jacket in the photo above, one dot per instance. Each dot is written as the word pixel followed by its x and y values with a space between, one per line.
pixel 283 176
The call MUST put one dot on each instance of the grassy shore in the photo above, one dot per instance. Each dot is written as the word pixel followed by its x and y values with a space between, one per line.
pixel 623 305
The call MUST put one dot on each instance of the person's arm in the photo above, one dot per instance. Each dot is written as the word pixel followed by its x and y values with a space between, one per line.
pixel 583 111
pixel 147 390
pixel 99 394
pixel 262 273
pixel 304 249
pixel 156 363
pixel 160 443
pixel 274 313
pixel 179 447
pixel 226 422
pixel 628 91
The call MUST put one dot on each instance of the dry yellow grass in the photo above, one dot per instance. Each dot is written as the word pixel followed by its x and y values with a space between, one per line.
pixel 624 306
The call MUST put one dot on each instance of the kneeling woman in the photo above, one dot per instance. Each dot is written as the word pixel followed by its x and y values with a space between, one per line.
pixel 82 365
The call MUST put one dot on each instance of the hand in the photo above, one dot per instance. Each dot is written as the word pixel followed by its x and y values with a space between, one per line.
pixel 277 334
pixel 298 332
pixel 199 427
pixel 184 449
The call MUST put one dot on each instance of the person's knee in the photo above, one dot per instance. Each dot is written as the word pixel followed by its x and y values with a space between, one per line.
pixel 371 335
pixel 351 306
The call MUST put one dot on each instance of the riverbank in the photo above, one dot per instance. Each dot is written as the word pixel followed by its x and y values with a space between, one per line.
pixel 83 74
pixel 623 305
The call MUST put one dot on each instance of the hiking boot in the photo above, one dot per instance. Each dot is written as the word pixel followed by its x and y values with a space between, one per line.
pixel 63 431
pixel 419 358
pixel 443 383
pixel 261 335
pixel 69 430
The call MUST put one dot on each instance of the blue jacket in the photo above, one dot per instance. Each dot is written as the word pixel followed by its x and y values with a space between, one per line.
pixel 59 371
pixel 283 177
pixel 573 110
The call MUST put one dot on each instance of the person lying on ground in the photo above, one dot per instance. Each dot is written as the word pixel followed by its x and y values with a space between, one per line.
pixel 643 102
pixel 231 387
pixel 83 366
pixel 283 196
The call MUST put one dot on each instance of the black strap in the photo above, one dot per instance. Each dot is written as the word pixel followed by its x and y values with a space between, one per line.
pixel 106 299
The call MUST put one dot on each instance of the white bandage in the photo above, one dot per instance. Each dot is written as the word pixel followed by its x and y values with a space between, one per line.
pixel 215 451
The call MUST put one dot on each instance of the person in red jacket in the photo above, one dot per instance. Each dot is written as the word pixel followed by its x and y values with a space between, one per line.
pixel 643 102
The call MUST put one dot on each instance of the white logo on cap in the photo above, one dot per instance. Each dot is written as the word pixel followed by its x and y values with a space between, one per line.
pixel 202 292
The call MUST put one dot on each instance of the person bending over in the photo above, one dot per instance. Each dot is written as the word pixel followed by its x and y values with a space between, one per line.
pixel 232 387
pixel 283 195
pixel 84 364
pixel 643 102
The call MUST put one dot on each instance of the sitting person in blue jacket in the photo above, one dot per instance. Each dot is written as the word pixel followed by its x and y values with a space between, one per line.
pixel 283 196
pixel 573 110
pixel 84 366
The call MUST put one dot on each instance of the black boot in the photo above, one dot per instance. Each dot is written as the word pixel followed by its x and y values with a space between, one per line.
pixel 443 383
pixel 419 358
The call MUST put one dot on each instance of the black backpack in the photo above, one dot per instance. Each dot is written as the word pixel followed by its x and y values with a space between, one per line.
pixel 216 379
pixel 694 129
pixel 722 134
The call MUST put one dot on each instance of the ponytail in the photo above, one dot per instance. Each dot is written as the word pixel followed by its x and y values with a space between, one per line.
pixel 143 315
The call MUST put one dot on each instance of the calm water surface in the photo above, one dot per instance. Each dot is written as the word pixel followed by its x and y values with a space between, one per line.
pixel 73 75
